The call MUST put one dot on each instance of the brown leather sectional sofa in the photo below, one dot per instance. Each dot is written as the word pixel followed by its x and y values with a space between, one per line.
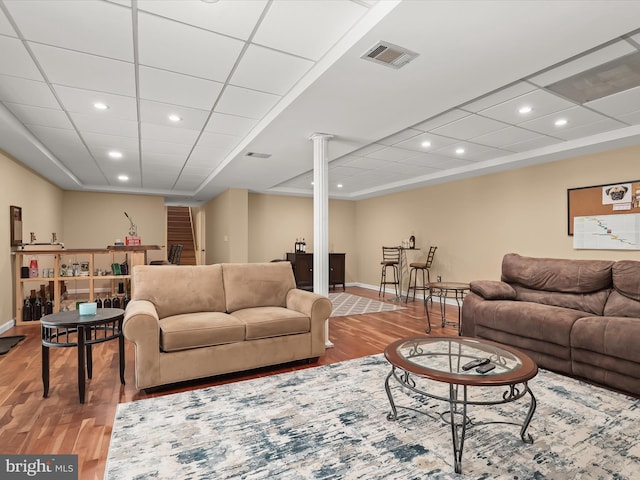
pixel 579 317
pixel 191 322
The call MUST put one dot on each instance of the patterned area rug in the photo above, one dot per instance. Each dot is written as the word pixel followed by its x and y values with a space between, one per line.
pixel 345 304
pixel 329 422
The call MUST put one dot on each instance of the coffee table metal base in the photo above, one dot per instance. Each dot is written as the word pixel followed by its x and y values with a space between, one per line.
pixel 457 414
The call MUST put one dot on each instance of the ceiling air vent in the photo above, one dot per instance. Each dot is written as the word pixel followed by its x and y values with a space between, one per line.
pixel 257 155
pixel 612 77
pixel 388 54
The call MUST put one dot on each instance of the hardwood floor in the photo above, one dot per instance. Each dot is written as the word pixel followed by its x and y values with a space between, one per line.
pixel 59 424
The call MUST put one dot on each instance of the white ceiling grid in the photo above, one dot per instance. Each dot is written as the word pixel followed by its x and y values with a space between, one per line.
pixel 223 68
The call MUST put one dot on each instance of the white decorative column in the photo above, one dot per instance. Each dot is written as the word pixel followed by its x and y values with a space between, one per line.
pixel 321 219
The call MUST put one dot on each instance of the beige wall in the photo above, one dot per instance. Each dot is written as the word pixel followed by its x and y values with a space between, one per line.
pixel 474 222
pixel 41 204
pixel 227 227
pixel 276 221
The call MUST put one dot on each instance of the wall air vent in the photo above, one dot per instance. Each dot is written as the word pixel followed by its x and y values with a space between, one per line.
pixel 257 155
pixel 612 77
pixel 388 54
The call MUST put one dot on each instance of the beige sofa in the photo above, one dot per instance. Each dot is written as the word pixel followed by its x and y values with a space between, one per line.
pixel 190 322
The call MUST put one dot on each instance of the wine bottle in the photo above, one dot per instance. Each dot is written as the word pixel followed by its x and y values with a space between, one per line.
pixel 26 311
pixel 98 302
pixel 106 303
pixel 115 303
pixel 37 309
pixel 126 300
pixel 48 306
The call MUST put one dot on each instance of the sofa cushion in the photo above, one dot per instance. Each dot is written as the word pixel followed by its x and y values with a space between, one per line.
pixel 265 322
pixel 249 285
pixel 492 290
pixel 201 329
pixel 593 303
pixel 557 275
pixel 616 337
pixel 176 289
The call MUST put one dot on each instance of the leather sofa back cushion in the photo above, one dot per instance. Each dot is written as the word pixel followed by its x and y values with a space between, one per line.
pixel 626 278
pixel 593 303
pixel 557 275
pixel 176 289
pixel 248 285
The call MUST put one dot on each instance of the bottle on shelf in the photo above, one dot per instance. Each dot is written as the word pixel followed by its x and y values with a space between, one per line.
pixel 33 268
pixel 304 246
pixel 37 309
pixel 115 303
pixel 297 247
pixel 125 300
pixel 98 302
pixel 106 303
pixel 26 310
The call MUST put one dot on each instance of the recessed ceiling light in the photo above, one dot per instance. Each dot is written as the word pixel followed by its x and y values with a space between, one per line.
pixel 525 109
pixel 339 185
pixel 100 106
pixel 174 118
pixel 114 154
pixel 312 183
pixel 123 178
pixel 561 122
pixel 459 151
pixel 426 144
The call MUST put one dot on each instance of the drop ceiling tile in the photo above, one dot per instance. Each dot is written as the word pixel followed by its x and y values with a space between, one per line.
pixel 365 163
pixel 90 123
pixel 583 63
pixel 575 116
pixel 341 171
pixel 400 137
pixel 218 140
pixel 631 118
pixel 440 120
pixel 152 131
pixel 498 97
pixel 158 113
pixel 539 142
pixel 167 163
pixel 617 104
pixel 111 142
pixel 109 34
pixel 63 143
pixel 589 129
pixel 81 101
pixel 75 69
pixel 189 182
pixel 435 142
pixel 176 89
pixel 469 127
pixel 26 92
pixel 364 151
pixel 505 136
pixel 16 60
pixel 236 19
pixel 206 157
pixel 101 153
pixel 269 71
pixel 177 47
pixel 392 154
pixel 308 29
pixel 427 160
pixel 230 124
pixel 5 26
pixel 472 152
pixel 246 103
pixel 158 147
pixel 542 103
pixel 45 117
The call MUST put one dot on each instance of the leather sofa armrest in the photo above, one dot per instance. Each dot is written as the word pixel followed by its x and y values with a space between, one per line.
pixel 493 290
pixel 141 326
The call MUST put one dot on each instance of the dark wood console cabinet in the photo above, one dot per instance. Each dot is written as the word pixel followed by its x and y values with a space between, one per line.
pixel 302 264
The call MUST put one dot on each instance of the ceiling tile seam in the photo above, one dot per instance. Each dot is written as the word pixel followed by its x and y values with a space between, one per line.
pixel 27 47
pixel 246 45
pixel 136 79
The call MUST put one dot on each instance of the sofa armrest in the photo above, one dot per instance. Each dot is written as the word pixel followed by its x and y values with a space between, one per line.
pixel 493 290
pixel 318 308
pixel 141 326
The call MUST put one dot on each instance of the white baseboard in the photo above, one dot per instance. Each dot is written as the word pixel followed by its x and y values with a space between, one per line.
pixel 6 326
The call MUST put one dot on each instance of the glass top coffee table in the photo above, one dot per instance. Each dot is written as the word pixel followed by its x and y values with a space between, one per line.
pixel 420 365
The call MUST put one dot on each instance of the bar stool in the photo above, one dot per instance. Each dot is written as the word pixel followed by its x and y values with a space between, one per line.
pixel 390 258
pixel 424 268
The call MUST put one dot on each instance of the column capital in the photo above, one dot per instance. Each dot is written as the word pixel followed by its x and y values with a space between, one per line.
pixel 319 136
